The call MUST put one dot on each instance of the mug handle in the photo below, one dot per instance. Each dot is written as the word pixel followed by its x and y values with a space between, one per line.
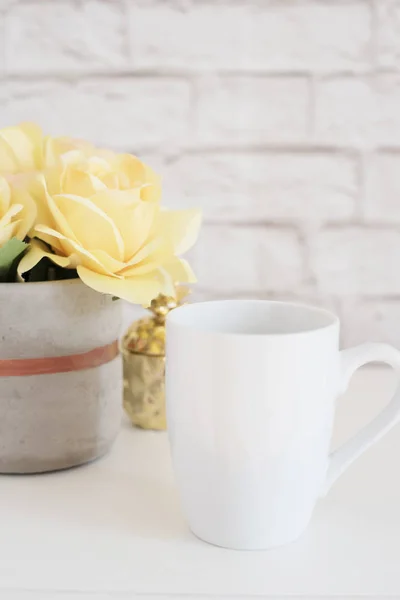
pixel 350 361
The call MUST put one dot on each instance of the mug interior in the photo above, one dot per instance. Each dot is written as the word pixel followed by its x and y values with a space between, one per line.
pixel 252 317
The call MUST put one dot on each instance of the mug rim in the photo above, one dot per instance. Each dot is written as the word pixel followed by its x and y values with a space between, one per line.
pixel 175 317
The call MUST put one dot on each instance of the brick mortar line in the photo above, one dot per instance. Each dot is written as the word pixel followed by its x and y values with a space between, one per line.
pixel 301 227
pixel 313 294
pixel 284 149
pixel 293 224
pixel 243 224
pixel 324 225
pixel 301 149
pixel 178 152
pixel 363 226
pixel 166 73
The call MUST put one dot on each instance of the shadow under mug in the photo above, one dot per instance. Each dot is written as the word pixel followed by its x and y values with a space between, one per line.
pixel 251 389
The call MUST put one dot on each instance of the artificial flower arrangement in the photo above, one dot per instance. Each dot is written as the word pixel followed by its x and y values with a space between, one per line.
pixel 69 209
pixel 79 227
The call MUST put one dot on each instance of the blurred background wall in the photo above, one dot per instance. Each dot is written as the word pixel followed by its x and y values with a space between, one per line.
pixel 281 119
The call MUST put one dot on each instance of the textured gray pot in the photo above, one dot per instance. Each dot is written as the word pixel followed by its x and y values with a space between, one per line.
pixel 55 421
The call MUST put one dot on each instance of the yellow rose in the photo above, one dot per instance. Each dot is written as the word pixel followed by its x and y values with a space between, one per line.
pixel 25 152
pixel 24 149
pixel 116 171
pixel 20 148
pixel 120 240
pixel 17 212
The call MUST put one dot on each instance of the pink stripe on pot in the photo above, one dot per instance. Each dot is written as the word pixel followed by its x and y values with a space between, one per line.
pixel 16 367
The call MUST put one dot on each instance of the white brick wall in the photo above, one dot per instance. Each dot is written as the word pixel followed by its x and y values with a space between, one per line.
pixel 246 260
pixel 358 111
pixel 251 110
pixel 252 36
pixel 46 37
pixel 280 118
pixel 352 261
pixel 122 112
pixel 298 187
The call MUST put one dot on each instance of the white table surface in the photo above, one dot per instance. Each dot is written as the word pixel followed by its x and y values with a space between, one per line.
pixel 113 529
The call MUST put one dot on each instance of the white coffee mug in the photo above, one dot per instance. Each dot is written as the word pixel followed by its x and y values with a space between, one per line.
pixel 251 389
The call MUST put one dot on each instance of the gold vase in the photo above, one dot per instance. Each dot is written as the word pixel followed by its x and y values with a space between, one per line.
pixel 143 352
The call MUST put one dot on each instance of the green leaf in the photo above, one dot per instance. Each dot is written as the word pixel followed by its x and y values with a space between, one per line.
pixel 10 255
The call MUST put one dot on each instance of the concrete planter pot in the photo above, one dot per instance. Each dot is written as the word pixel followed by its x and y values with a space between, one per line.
pixel 59 420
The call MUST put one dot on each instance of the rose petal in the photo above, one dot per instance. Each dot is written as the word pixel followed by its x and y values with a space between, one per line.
pixel 80 183
pixel 58 220
pixel 131 171
pixel 35 135
pixel 68 246
pixel 139 290
pixel 111 264
pixel 61 151
pixel 8 232
pixel 181 227
pixel 152 191
pixel 158 246
pixel 112 202
pixel 44 216
pixel 166 282
pixel 10 214
pixel 37 251
pixel 180 271
pixel 110 180
pixel 21 197
pixel 92 227
pixel 5 195
pixel 134 219
pixel 153 255
pixel 8 161
pixel 51 241
pixel 25 144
